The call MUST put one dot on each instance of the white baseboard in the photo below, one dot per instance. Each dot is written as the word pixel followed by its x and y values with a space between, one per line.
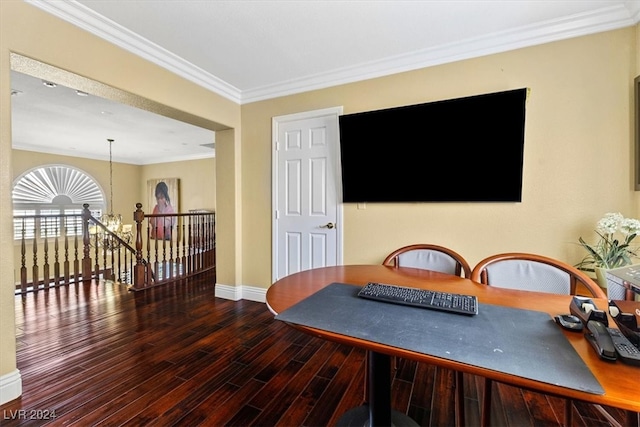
pixel 10 386
pixel 236 293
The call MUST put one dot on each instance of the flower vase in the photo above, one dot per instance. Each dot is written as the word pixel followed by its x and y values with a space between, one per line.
pixel 616 292
pixel 601 277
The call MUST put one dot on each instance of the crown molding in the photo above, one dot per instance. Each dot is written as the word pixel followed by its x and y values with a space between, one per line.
pixel 604 19
pixel 98 25
pixel 634 10
pixel 137 161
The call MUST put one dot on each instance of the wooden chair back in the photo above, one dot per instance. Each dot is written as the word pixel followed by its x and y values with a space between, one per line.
pixel 533 272
pixel 429 257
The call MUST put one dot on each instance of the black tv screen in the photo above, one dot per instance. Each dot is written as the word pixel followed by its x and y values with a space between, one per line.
pixel 459 150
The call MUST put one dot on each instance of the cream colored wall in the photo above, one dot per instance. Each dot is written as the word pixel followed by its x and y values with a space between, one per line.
pixel 577 162
pixel 8 367
pixel 197 183
pixel 28 31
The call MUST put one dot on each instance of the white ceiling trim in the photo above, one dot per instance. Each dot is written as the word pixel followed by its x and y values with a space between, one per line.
pixel 96 24
pixel 144 159
pixel 605 19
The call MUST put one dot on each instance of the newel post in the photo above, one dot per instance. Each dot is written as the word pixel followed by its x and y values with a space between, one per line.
pixel 139 276
pixel 86 247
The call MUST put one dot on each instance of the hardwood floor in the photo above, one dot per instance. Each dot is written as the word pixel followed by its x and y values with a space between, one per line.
pixel 97 354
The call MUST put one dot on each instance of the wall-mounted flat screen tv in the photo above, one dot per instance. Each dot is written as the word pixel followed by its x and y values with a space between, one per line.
pixel 459 150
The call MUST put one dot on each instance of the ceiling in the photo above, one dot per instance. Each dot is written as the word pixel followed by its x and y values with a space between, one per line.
pixel 250 50
pixel 57 120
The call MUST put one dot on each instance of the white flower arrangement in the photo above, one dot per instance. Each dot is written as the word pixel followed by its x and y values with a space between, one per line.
pixel 609 252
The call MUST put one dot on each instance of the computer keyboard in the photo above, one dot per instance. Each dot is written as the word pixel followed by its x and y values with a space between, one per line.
pixel 424 298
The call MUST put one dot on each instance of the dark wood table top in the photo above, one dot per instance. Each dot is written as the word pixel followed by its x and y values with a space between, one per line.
pixel 620 381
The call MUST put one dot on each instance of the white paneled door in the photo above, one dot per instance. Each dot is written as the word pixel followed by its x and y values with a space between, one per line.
pixel 307 228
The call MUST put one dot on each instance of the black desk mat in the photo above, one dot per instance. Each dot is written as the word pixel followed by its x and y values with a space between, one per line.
pixel 524 343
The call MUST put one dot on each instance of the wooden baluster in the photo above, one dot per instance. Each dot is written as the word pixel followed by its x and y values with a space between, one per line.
pixel 86 260
pixel 187 241
pixel 140 275
pixel 107 243
pixel 203 242
pixel 106 251
pixel 149 230
pixel 156 252
pixel 96 267
pixel 23 258
pixel 125 273
pixel 175 251
pixel 203 219
pixel 35 271
pixel 184 248
pixel 76 258
pixel 196 243
pixel 190 256
pixel 178 237
pixel 164 247
pixel 170 244
pixel 45 266
pixel 207 232
pixel 56 262
pixel 117 268
pixel 120 277
pixel 209 241
pixel 150 272
pixel 200 242
pixel 65 263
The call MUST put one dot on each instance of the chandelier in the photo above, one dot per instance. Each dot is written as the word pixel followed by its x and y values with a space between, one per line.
pixel 112 222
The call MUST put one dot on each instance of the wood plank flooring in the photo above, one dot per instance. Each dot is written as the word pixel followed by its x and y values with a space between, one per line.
pixel 99 355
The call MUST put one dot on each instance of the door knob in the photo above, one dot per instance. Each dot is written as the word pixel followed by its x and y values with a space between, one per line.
pixel 328 225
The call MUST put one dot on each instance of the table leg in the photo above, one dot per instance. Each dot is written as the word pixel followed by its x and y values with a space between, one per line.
pixel 632 419
pixel 379 389
pixel 378 412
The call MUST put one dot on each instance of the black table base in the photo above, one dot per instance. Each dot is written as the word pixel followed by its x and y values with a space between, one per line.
pixel 378 412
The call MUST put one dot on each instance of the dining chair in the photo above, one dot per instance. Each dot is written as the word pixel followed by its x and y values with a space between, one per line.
pixel 429 257
pixel 443 260
pixel 531 272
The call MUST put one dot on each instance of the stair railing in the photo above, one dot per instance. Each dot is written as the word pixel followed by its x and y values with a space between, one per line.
pixel 178 246
pixel 73 248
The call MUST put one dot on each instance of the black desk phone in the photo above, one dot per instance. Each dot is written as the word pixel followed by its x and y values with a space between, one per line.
pixel 609 343
pixel 600 339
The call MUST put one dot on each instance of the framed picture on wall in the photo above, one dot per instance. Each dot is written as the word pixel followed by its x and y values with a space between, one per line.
pixel 163 196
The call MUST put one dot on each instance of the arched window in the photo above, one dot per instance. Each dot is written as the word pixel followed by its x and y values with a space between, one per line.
pixel 53 190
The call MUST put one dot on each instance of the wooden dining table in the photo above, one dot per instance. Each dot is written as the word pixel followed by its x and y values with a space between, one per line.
pixel 620 382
